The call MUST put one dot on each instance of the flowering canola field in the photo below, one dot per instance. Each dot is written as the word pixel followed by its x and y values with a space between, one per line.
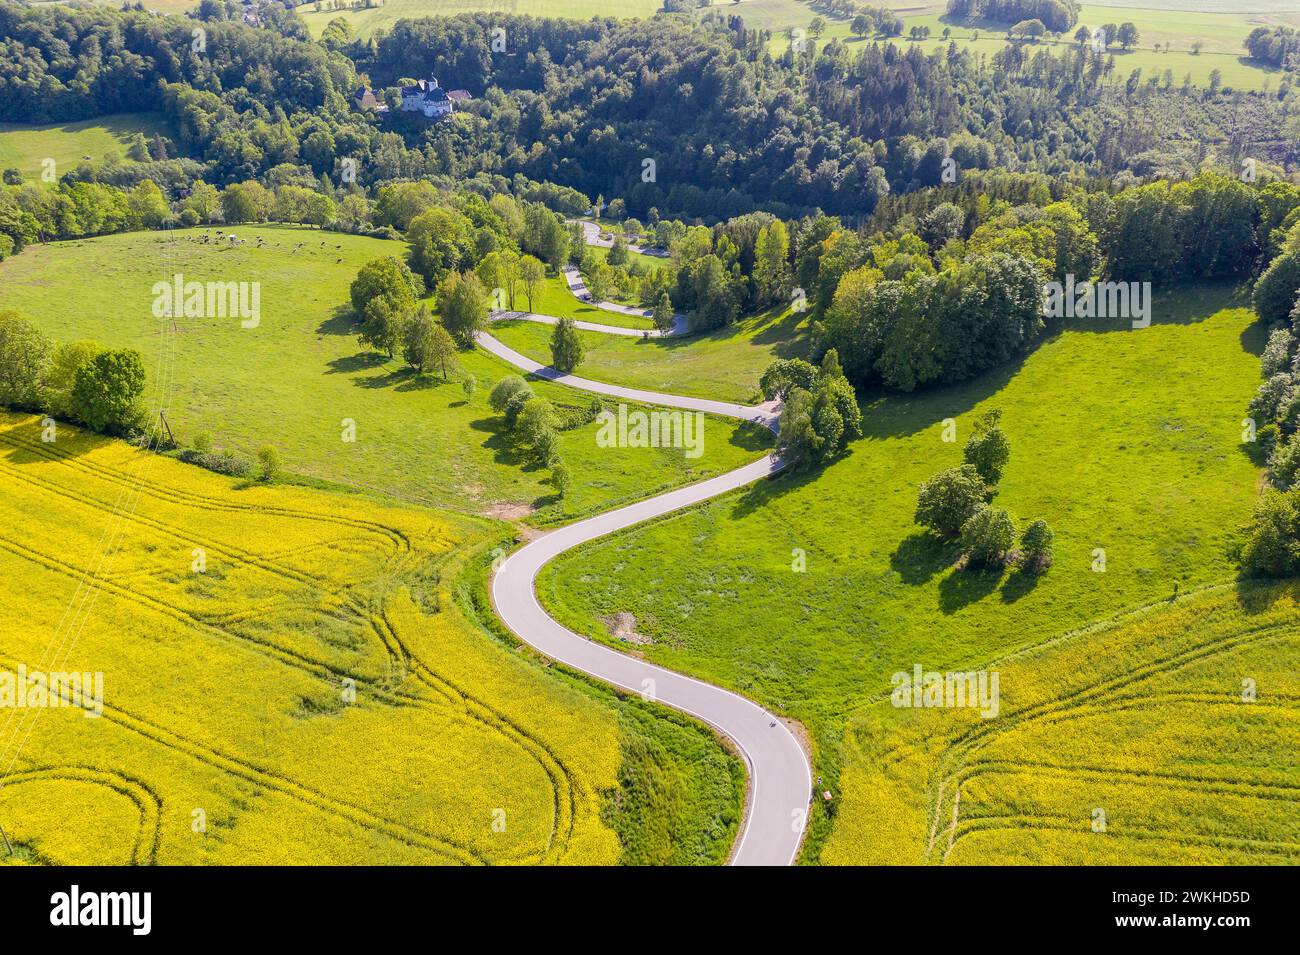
pixel 1166 737
pixel 286 678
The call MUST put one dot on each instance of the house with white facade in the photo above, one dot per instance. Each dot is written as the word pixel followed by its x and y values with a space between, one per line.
pixel 427 97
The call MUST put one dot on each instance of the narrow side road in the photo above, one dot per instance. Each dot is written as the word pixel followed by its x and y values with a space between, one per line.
pixel 573 278
pixel 779 774
pixel 679 325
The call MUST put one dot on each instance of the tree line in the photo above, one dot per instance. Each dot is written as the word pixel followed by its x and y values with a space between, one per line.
pixel 728 127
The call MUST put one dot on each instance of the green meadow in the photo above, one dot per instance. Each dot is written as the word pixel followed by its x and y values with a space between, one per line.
pixel 294 381
pixel 26 148
pixel 724 364
pixel 554 298
pixel 382 17
pixel 808 591
pixel 1220 33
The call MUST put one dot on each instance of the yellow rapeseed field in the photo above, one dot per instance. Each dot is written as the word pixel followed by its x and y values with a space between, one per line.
pixel 1171 736
pixel 286 678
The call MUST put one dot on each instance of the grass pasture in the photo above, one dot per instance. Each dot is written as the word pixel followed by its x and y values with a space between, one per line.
pixel 555 298
pixel 366 22
pixel 725 364
pixel 225 688
pixel 26 148
pixel 1220 30
pixel 1125 440
pixel 293 380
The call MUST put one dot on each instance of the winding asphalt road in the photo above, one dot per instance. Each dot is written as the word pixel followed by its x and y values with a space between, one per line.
pixel 679 325
pixel 573 278
pixel 780 776
pixel 591 235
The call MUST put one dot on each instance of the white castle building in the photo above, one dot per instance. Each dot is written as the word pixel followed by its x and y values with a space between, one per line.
pixel 427 97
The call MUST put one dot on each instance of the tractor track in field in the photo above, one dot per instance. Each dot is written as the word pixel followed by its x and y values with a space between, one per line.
pixel 200 501
pixel 956 765
pixel 458 702
pixel 147 802
pixel 473 710
pixel 249 772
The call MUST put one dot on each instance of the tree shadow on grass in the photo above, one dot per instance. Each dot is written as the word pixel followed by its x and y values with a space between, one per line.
pixel 786 334
pixel 1253 338
pixel 350 364
pixel 546 500
pixel 386 380
pixel 1187 303
pixel 891 414
pixel 423 381
pixel 505 448
pixel 1258 596
pixel 1254 452
pixel 760 493
pixel 749 436
pixel 919 557
pixel 342 321
pixel 1020 584
pixel 963 587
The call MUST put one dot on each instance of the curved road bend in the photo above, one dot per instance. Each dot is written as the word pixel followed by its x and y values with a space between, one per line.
pixel 591 233
pixel 679 325
pixel 780 777
pixel 573 279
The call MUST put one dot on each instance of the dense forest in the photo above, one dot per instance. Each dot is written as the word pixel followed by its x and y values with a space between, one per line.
pixel 695 120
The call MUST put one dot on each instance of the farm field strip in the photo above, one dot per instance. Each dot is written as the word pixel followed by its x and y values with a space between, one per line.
pixel 568 799
pixel 1020 771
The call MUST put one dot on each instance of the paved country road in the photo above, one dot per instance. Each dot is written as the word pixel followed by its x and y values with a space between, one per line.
pixel 591 235
pixel 573 278
pixel 780 777
pixel 679 325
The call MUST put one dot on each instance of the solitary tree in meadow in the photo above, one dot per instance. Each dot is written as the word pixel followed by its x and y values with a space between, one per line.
pixel 949 499
pixel 566 346
pixel 663 313
pixel 987 537
pixel 1036 546
pixel 464 307
pixel 427 344
pixel 988 449
pixel 532 273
